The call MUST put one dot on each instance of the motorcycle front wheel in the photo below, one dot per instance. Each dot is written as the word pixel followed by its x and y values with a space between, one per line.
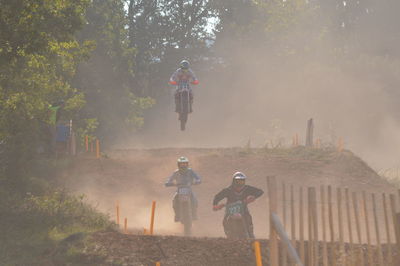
pixel 183 118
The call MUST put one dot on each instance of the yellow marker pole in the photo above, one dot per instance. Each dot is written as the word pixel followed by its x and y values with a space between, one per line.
pixel 87 143
pixel 257 253
pixel 126 226
pixel 158 263
pixel 153 209
pixel 117 209
pixel 97 148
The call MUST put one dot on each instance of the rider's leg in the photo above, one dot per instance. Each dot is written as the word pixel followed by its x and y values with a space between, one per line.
pixel 191 100
pixel 225 224
pixel 175 205
pixel 194 206
pixel 177 102
pixel 249 223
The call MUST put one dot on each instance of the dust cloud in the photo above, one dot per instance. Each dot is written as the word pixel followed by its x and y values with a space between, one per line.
pixel 267 97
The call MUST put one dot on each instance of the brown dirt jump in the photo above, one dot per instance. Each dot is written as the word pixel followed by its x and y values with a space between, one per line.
pixel 135 178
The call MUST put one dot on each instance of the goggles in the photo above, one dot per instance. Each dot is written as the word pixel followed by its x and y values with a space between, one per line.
pixel 183 165
pixel 240 181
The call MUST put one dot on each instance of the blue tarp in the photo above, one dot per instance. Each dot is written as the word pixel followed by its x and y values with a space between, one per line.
pixel 62 133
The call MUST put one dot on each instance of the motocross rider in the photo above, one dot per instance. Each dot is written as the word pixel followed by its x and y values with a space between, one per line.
pixel 238 190
pixel 184 176
pixel 183 73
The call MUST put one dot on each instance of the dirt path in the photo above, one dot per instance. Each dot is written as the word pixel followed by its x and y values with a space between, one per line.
pixel 136 177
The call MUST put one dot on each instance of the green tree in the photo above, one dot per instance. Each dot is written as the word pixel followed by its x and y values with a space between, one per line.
pixel 38 56
pixel 107 77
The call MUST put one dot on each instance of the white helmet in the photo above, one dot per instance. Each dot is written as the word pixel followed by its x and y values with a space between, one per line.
pixel 239 176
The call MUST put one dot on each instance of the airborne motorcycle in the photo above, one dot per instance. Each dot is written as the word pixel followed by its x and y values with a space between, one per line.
pixel 183 102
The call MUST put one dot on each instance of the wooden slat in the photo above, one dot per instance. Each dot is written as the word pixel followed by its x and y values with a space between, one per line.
pixel 331 228
pixel 366 218
pixel 340 226
pixel 301 225
pixel 323 221
pixel 310 245
pixel 349 228
pixel 292 217
pixel 387 227
pixel 396 226
pixel 284 249
pixel 314 219
pixel 377 232
pixel 358 229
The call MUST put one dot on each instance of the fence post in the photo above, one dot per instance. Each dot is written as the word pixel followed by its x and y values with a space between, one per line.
pixel 388 238
pixel 396 225
pixel 323 221
pixel 86 143
pixel 313 226
pixel 273 240
pixel 292 216
pixel 331 227
pixel 369 249
pixel 378 237
pixel 340 221
pixel 309 133
pixel 153 208
pixel 117 210
pixel 301 225
pixel 284 250
pixel 358 229
pixel 97 148
pixel 349 227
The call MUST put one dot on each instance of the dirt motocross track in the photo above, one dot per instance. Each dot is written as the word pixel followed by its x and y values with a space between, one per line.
pixel 135 178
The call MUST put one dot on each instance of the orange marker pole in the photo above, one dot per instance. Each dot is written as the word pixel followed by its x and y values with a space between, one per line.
pixel 257 253
pixel 153 209
pixel 340 144
pixel 87 143
pixel 158 263
pixel 117 208
pixel 126 225
pixel 97 148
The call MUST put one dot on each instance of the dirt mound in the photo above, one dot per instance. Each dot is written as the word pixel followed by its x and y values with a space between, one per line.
pixel 112 248
pixel 135 178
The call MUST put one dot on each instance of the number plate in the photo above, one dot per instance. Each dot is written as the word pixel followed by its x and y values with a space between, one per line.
pixel 234 208
pixel 184 191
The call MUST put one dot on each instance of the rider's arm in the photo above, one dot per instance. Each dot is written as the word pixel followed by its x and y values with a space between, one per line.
pixel 256 192
pixel 173 80
pixel 196 177
pixel 220 196
pixel 170 180
pixel 194 79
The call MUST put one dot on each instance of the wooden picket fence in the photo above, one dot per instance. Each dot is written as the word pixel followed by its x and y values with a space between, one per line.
pixel 334 226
